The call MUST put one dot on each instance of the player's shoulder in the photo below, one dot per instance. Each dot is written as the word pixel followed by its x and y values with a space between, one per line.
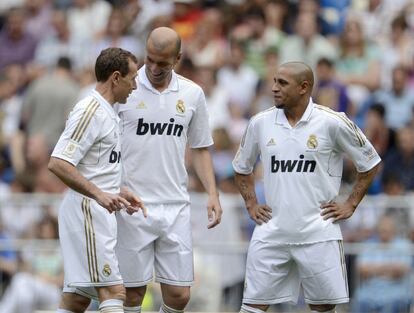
pixel 263 115
pixel 184 82
pixel 89 106
pixel 331 116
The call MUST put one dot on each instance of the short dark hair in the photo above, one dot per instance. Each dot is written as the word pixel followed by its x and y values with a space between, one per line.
pixel 326 61
pixel 64 62
pixel 111 60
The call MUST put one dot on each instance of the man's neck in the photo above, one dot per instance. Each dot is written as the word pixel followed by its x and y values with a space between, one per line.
pixel 105 92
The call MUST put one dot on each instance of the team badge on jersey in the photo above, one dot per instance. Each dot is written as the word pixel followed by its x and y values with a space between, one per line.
pixel 271 142
pixel 106 270
pixel 180 107
pixel 312 142
pixel 70 149
pixel 141 105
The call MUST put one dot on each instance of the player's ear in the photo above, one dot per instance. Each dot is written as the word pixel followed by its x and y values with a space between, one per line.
pixel 304 87
pixel 178 57
pixel 115 77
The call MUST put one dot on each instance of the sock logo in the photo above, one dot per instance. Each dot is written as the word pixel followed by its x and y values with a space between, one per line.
pixel 169 129
pixel 289 166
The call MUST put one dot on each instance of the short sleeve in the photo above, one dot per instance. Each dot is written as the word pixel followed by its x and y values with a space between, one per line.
pixel 81 132
pixel 248 152
pixel 352 141
pixel 199 134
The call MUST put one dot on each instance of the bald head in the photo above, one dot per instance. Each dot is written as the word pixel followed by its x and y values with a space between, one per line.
pixel 164 38
pixel 300 72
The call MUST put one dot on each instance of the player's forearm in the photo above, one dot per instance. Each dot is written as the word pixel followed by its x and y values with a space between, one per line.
pixel 363 181
pixel 245 184
pixel 72 178
pixel 203 166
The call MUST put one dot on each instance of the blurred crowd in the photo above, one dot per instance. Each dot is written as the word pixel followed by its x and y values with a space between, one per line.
pixel 361 51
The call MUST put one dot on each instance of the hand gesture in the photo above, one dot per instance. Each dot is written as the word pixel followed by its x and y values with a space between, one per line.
pixel 214 211
pixel 112 202
pixel 135 202
pixel 260 213
pixel 337 211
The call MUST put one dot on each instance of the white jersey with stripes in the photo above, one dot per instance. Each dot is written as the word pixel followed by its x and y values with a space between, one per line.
pixel 302 169
pixel 156 127
pixel 91 142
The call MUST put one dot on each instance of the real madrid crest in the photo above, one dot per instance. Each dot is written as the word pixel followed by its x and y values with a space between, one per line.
pixel 180 107
pixel 312 142
pixel 106 270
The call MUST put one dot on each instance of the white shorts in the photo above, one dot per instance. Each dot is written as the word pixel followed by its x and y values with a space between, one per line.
pixel 87 235
pixel 274 273
pixel 162 242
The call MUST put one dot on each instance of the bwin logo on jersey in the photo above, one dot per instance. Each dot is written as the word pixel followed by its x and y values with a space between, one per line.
pixel 159 128
pixel 301 165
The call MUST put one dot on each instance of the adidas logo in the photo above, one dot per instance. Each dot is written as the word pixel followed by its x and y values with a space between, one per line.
pixel 141 105
pixel 271 142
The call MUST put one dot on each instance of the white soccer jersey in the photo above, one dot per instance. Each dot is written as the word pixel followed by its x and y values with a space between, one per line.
pixel 91 142
pixel 155 128
pixel 302 169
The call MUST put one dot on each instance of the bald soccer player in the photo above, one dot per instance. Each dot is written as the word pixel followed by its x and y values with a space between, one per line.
pixel 166 113
pixel 297 241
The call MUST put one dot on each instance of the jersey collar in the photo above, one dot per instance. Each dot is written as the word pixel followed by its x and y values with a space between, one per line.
pixel 282 120
pixel 143 80
pixel 105 104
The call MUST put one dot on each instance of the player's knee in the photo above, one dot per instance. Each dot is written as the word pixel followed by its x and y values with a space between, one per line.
pixel 177 298
pixel 112 292
pixel 322 307
pixel 135 295
pixel 74 302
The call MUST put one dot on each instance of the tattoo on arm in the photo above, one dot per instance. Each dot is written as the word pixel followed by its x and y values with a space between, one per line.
pixel 245 187
pixel 360 188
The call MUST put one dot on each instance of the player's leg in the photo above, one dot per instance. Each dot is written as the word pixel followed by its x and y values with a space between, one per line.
pixel 323 273
pixel 271 277
pixel 253 308
pixel 327 308
pixel 174 268
pixel 175 298
pixel 111 299
pixel 134 298
pixel 73 303
pixel 135 251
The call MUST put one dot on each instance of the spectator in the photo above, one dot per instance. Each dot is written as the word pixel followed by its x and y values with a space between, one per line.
pixel 376 130
pixel 61 43
pixel 397 50
pixel 38 17
pixel 384 269
pixel 87 19
pixel 217 98
pixel 358 65
pixel 400 161
pixel 50 96
pixel 186 16
pixel 16 45
pixel 39 283
pixel 207 46
pixel 328 90
pixel 258 38
pixel 8 259
pixel 398 100
pixel 116 35
pixel 239 79
pixel 306 45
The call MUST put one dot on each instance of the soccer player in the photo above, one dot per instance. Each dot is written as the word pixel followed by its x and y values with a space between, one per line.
pixel 87 159
pixel 297 240
pixel 161 117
